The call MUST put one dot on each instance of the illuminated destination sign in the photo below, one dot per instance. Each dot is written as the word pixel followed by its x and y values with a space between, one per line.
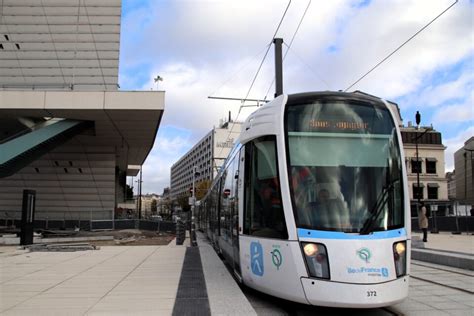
pixel 339 117
pixel 337 125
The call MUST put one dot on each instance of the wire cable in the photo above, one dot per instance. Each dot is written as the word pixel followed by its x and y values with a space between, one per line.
pixel 266 53
pixel 320 78
pixel 399 47
pixel 238 71
pixel 291 42
pixel 256 74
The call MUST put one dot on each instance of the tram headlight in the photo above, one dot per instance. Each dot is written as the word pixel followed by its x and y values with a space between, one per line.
pixel 316 259
pixel 400 257
pixel 310 250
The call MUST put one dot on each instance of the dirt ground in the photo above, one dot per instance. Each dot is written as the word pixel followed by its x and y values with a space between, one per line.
pixel 124 237
pixel 128 237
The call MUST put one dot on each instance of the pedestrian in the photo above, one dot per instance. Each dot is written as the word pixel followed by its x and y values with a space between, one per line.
pixel 423 221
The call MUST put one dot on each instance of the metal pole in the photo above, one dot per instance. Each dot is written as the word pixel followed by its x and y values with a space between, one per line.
pixel 465 183
pixel 417 176
pixel 434 228
pixel 457 232
pixel 469 214
pixel 193 233
pixel 140 194
pixel 278 67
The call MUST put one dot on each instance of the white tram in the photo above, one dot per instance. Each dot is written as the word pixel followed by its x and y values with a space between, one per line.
pixel 311 205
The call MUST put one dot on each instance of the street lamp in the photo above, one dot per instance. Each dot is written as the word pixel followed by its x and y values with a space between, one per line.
pixel 139 204
pixel 418 120
pixel 434 229
pixel 193 206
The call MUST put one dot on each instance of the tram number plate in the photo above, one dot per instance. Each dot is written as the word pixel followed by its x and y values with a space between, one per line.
pixel 371 293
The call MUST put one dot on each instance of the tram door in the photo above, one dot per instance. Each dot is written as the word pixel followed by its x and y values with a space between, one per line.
pixel 238 189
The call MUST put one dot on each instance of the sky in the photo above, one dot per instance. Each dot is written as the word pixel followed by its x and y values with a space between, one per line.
pixel 207 48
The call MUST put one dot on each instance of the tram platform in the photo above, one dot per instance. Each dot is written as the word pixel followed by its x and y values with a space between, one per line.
pixel 141 280
pixel 444 248
pixel 119 280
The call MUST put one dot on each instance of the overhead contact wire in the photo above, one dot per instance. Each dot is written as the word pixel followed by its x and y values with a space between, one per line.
pixel 258 71
pixel 399 47
pixel 291 42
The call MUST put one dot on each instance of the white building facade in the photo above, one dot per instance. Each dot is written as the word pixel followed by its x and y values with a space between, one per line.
pixel 207 156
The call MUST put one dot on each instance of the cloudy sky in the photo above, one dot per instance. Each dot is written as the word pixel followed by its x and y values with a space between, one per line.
pixel 214 47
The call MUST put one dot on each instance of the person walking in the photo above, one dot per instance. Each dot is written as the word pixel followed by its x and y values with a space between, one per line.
pixel 423 221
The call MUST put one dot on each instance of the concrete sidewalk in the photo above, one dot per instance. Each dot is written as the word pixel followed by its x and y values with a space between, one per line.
pixel 115 280
pixel 446 249
pixel 447 241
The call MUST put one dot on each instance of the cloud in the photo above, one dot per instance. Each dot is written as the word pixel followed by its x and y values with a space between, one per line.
pixel 463 112
pixel 459 88
pixel 215 47
pixel 454 144
pixel 170 143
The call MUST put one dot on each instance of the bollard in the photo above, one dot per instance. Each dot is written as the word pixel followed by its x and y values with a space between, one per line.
pixel 193 234
pixel 180 232
pixel 27 217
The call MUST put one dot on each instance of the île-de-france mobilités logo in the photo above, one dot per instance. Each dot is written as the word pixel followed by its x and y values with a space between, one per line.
pixel 364 254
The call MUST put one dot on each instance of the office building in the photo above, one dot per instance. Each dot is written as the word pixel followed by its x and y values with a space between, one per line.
pixel 66 131
pixel 207 156
pixel 464 166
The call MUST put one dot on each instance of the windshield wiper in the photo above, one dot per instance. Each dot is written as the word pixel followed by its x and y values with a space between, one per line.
pixel 376 210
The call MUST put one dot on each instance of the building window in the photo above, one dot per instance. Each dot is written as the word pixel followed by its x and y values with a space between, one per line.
pixel 415 165
pixel 433 191
pixel 418 192
pixel 431 165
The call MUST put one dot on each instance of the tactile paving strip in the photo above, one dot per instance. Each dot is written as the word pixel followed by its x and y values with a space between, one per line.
pixel 191 298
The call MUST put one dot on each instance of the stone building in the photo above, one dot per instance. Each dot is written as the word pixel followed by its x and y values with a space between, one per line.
pixel 430 166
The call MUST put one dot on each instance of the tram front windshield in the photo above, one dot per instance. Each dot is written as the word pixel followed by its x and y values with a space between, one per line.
pixel 344 167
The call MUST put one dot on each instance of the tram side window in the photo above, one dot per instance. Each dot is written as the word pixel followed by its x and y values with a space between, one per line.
pixel 215 209
pixel 227 197
pixel 264 216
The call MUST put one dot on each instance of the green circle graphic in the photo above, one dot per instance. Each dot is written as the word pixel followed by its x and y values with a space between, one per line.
pixel 277 259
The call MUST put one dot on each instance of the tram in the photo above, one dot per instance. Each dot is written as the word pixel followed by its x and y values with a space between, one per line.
pixel 312 206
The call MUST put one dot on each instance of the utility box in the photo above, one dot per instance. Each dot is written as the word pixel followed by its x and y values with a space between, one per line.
pixel 27 217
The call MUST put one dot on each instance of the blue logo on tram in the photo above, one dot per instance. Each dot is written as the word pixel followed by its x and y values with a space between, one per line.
pixel 256 258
